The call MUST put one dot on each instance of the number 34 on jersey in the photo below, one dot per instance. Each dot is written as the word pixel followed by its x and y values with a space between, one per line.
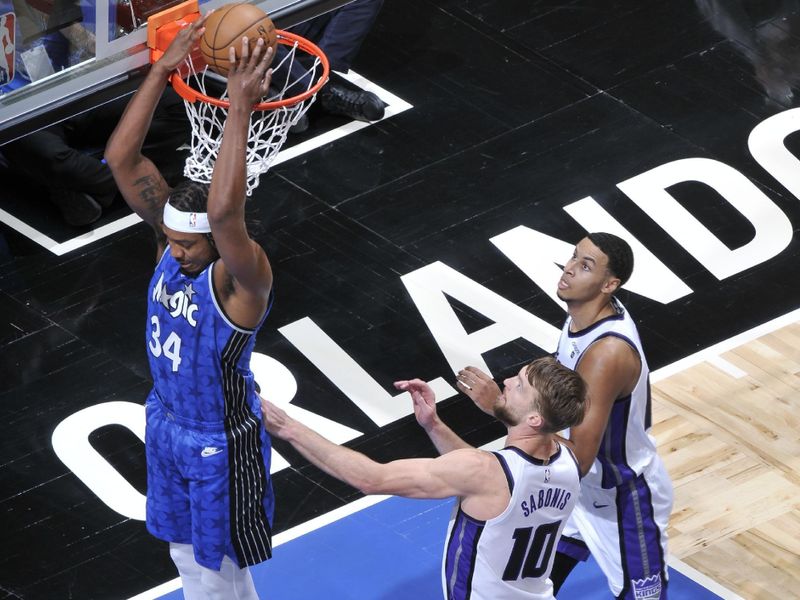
pixel 180 306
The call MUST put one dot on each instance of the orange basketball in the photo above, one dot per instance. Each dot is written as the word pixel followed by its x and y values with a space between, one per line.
pixel 227 26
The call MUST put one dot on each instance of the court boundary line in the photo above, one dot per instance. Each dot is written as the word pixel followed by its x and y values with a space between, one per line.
pixel 713 352
pixel 698 577
pixel 395 106
pixel 282 538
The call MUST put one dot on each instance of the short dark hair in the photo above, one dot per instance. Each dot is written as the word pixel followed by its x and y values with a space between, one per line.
pixel 619 253
pixel 562 393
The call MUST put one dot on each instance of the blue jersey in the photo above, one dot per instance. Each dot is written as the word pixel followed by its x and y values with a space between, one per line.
pixel 208 454
pixel 199 359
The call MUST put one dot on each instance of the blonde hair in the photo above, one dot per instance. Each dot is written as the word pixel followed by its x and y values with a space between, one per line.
pixel 561 393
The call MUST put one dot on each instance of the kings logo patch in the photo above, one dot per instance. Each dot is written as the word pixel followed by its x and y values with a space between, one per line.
pixel 648 588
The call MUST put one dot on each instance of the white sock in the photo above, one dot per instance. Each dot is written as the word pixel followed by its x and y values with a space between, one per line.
pixel 183 557
pixel 201 583
pixel 229 583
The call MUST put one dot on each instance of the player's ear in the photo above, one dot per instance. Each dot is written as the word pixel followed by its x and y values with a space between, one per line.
pixel 611 284
pixel 534 420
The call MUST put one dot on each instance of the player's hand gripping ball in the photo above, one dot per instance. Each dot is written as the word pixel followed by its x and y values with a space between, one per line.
pixel 226 27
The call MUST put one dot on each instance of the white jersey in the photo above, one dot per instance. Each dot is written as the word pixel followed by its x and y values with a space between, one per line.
pixel 626 498
pixel 510 556
pixel 626 448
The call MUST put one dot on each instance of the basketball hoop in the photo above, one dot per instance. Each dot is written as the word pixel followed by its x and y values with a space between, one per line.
pixel 205 97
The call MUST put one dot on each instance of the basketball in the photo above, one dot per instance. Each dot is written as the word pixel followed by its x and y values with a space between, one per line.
pixel 226 27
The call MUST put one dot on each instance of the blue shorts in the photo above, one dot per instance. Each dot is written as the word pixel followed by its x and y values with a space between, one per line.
pixel 208 485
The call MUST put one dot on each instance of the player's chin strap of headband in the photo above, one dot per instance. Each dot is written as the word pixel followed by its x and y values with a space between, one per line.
pixel 185 222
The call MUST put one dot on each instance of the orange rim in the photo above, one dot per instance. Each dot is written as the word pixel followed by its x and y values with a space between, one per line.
pixel 286 38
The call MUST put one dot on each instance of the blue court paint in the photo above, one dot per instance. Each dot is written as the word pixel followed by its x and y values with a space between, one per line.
pixel 393 551
pixel 588 582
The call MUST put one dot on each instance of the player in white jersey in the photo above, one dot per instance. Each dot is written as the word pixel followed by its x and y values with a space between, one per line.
pixel 512 504
pixel 509 557
pixel 626 494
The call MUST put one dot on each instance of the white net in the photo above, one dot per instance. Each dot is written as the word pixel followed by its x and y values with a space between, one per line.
pixel 268 128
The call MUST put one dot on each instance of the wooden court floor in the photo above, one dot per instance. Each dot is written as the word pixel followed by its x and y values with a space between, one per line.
pixel 729 434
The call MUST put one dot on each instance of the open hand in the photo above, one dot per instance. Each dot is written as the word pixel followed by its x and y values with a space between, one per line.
pixel 249 76
pixel 182 45
pixel 424 401
pixel 275 419
pixel 481 388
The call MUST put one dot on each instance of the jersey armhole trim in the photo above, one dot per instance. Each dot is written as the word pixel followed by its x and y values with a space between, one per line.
pixel 509 478
pixel 619 336
pixel 218 304
pixel 468 517
pixel 574 459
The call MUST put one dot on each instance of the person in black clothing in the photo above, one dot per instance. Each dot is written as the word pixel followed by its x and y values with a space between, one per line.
pixel 340 34
pixel 67 158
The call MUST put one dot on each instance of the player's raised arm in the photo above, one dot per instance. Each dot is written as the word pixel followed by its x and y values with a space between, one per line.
pixel 243 258
pixel 465 472
pixel 138 179
pixel 445 439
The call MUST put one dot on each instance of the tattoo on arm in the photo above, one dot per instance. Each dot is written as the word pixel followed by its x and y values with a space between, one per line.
pixel 153 195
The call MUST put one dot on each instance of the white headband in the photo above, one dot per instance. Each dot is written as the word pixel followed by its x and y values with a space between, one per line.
pixel 185 222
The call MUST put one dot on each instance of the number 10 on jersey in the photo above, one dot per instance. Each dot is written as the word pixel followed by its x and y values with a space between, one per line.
pixel 529 558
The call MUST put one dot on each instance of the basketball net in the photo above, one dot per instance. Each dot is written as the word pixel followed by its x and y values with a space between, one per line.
pixel 206 98
pixel 288 100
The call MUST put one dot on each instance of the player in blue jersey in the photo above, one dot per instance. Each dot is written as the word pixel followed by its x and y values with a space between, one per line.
pixel 626 494
pixel 512 504
pixel 208 456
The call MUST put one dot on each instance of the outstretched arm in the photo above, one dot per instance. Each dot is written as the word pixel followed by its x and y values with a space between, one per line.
pixel 464 473
pixel 138 179
pixel 445 439
pixel 243 258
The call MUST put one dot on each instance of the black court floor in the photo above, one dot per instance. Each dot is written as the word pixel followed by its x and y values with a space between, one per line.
pixel 419 243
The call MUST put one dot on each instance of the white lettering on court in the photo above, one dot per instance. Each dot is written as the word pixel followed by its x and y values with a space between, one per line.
pixel 279 386
pixel 428 286
pixel 651 278
pixel 350 378
pixel 71 444
pixel 767 143
pixel 535 254
pixel 538 256
pixel 773 230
